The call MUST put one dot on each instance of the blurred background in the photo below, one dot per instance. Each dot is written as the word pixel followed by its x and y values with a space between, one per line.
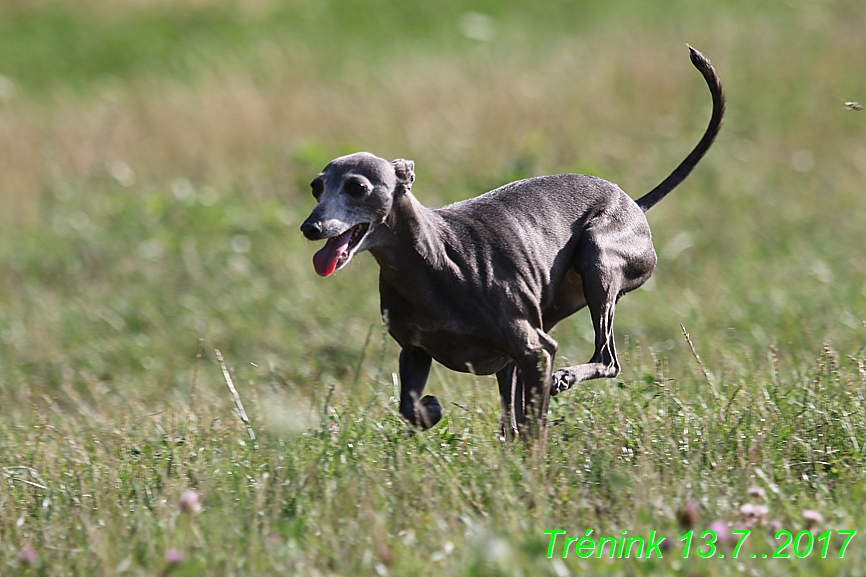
pixel 155 157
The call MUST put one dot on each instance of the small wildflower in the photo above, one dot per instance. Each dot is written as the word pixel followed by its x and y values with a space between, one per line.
pixel 386 555
pixel 666 545
pixel 688 514
pixel 174 556
pixel 737 526
pixel 775 526
pixel 812 518
pixel 605 551
pixel 755 491
pixel 28 556
pixel 723 532
pixel 189 501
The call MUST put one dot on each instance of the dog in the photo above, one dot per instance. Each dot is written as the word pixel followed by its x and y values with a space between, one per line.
pixel 479 284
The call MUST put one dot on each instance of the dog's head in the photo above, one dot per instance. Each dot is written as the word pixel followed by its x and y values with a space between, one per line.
pixel 355 194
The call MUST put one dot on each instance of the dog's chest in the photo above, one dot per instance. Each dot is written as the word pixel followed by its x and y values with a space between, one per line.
pixel 460 352
pixel 460 343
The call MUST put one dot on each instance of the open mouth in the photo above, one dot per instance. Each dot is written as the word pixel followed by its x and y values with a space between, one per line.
pixel 339 250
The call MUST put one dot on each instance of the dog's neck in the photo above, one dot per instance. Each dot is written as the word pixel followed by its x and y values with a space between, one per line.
pixel 410 240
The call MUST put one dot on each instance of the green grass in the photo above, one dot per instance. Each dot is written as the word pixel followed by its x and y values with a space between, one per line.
pixel 62 43
pixel 154 161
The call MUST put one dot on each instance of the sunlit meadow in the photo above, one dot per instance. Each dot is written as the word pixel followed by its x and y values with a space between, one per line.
pixel 154 166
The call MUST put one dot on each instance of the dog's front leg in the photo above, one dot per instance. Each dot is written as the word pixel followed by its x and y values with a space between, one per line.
pixel 414 370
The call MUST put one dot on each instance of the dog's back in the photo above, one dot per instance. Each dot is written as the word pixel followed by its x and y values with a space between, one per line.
pixel 527 232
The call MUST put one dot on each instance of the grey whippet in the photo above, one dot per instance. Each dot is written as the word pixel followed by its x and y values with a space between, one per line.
pixel 479 284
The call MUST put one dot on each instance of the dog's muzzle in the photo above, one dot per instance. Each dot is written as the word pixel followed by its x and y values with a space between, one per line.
pixel 312 229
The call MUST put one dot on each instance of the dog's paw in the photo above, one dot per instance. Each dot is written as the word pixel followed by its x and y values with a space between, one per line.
pixel 425 413
pixel 562 381
pixel 507 430
pixel 431 411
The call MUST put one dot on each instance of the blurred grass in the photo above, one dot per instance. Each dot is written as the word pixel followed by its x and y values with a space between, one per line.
pixel 63 43
pixel 154 161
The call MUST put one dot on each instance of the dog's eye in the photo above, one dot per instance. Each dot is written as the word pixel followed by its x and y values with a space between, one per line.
pixel 355 189
pixel 317 187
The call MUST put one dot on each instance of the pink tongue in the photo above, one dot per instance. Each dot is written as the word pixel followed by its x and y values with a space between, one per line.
pixel 325 261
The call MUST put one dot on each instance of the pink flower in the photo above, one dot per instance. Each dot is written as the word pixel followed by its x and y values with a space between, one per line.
pixel 174 556
pixel 753 513
pixel 812 518
pixel 189 501
pixel 28 556
pixel 723 533
pixel 755 491
pixel 689 514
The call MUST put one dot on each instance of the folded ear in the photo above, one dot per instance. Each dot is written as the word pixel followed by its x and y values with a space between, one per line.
pixel 405 171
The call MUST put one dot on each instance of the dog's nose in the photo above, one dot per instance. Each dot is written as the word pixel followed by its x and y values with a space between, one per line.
pixel 312 229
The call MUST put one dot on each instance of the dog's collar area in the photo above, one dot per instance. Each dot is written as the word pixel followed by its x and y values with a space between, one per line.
pixel 338 250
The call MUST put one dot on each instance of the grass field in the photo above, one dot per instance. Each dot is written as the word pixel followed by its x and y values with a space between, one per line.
pixel 154 166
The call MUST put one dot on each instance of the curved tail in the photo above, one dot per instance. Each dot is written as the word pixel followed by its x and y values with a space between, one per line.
pixel 700 61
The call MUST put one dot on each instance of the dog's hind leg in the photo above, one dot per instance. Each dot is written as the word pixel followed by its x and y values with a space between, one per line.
pixel 603 362
pixel 610 265
pixel 513 403
pixel 531 384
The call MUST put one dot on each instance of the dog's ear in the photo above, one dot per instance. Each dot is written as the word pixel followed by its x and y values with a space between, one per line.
pixel 405 171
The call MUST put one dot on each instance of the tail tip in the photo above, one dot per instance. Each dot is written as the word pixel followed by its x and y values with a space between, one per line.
pixel 698 59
